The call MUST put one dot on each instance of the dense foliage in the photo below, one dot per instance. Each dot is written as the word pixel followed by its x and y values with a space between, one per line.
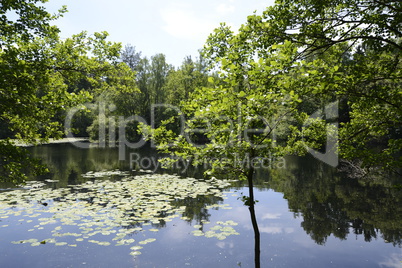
pixel 305 76
pixel 281 75
pixel 42 76
pixel 361 42
pixel 295 59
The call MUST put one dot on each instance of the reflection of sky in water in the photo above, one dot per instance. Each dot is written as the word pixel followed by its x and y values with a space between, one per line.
pixel 283 243
pixel 394 260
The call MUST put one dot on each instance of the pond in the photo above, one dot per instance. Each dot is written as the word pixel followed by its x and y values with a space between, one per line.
pixel 94 211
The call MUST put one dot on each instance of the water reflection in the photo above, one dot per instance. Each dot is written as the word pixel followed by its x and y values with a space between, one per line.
pixel 107 212
pixel 325 205
pixel 329 202
pixel 67 162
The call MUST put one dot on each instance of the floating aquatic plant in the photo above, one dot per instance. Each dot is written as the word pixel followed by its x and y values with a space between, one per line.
pixel 220 231
pixel 103 208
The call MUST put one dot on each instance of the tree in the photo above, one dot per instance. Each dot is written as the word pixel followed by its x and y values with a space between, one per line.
pixel 363 40
pixel 16 90
pixel 24 20
pixel 229 126
pixel 42 76
pixel 159 72
pixel 296 56
pixel 182 82
pixel 131 57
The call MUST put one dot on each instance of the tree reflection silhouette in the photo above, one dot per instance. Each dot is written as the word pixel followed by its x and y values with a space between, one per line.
pixel 332 203
pixel 329 202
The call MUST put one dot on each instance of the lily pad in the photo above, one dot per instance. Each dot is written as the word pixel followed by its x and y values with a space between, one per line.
pixel 114 210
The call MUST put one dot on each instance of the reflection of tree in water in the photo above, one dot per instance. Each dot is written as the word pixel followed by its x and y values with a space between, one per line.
pixel 195 211
pixel 331 203
pixel 196 207
pixel 67 162
pixel 72 177
pixel 192 208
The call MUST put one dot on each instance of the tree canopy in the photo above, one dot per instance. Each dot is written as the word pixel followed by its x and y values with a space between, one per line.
pixel 42 76
pixel 305 76
pixel 305 55
pixel 362 40
pixel 278 76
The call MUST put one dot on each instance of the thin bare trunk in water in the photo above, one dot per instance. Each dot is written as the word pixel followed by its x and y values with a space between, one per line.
pixel 250 176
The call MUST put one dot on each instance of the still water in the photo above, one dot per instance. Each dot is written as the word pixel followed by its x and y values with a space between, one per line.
pixel 88 214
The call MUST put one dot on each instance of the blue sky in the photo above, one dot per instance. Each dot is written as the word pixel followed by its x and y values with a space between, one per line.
pixel 176 28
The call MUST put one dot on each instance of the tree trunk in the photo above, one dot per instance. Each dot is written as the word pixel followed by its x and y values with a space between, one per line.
pixel 250 176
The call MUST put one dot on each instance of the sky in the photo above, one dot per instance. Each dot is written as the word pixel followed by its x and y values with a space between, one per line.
pixel 176 28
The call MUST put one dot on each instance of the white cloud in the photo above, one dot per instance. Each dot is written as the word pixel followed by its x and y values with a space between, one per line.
pixel 224 245
pixel 271 216
pixel 224 9
pixel 185 24
pixel 178 233
pixel 270 230
pixel 393 261
pixel 289 230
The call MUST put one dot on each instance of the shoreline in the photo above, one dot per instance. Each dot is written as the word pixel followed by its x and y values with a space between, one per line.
pixel 51 141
